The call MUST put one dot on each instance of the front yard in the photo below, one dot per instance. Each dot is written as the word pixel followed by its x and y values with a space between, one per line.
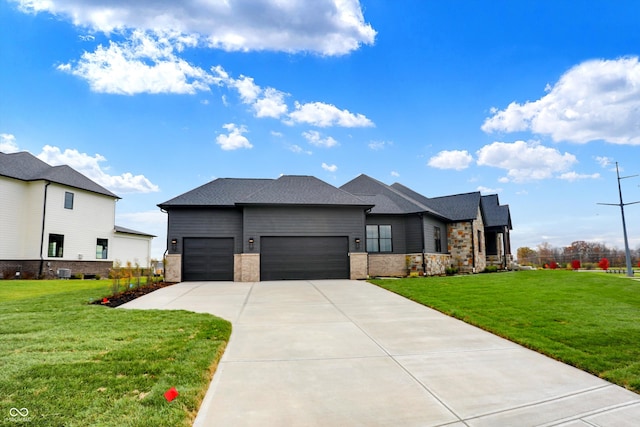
pixel 586 319
pixel 75 364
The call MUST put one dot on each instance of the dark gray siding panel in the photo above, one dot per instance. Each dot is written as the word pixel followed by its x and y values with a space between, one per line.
pixel 200 222
pixel 414 233
pixel 429 224
pixel 262 221
pixel 398 230
pixel 304 258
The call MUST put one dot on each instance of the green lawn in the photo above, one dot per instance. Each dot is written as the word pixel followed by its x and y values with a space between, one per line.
pixel 586 319
pixel 74 364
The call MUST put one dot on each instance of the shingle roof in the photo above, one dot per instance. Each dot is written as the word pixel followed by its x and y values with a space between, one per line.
pixel 219 192
pixel 26 167
pixel 119 229
pixel 457 207
pixel 286 190
pixel 301 190
pixel 495 214
pixel 387 200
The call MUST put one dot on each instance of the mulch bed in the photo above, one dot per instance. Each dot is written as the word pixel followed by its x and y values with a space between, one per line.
pixel 130 295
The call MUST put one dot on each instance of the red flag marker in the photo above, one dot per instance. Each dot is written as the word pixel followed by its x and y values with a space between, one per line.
pixel 171 394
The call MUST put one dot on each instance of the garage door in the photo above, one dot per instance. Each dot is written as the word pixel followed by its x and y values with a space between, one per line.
pixel 304 258
pixel 207 259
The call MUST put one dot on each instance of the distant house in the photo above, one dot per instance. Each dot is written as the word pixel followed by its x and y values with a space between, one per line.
pixel 299 227
pixel 53 217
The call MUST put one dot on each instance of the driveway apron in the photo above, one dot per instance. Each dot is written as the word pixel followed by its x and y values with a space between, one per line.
pixel 347 353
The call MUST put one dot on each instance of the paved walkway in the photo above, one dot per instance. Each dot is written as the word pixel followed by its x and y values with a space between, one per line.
pixel 347 353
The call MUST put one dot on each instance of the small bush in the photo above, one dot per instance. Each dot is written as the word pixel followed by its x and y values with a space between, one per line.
pixel 491 269
pixel 575 264
pixel 604 264
pixel 450 271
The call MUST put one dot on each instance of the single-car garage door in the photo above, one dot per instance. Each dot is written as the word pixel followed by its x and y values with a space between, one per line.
pixel 304 258
pixel 207 259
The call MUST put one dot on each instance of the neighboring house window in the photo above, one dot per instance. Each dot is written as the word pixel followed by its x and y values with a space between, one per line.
pixel 68 200
pixel 56 245
pixel 101 248
pixel 437 239
pixel 479 241
pixel 379 238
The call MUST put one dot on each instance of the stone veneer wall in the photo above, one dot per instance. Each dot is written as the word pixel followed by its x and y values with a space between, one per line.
pixel 465 247
pixel 246 268
pixel 173 268
pixel 30 269
pixel 437 263
pixel 358 265
pixel 387 265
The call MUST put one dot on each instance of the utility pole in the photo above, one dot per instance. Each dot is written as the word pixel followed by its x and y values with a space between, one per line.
pixel 624 225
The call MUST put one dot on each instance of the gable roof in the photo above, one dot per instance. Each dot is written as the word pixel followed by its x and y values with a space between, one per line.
pixel 496 215
pixel 286 190
pixel 301 190
pixel 457 207
pixel 27 167
pixel 219 192
pixel 385 198
pixel 119 229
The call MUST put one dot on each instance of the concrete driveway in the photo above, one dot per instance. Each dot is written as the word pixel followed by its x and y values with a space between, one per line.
pixel 347 353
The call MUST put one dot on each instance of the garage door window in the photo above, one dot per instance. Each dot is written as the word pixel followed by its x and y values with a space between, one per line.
pixel 379 238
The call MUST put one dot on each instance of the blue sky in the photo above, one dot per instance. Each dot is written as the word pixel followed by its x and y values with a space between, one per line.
pixel 532 100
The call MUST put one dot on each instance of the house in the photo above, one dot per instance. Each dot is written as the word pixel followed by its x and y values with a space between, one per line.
pixel 53 217
pixel 299 227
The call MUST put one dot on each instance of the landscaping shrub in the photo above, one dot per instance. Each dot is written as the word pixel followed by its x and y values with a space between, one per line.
pixel 491 269
pixel 450 271
pixel 604 264
pixel 575 264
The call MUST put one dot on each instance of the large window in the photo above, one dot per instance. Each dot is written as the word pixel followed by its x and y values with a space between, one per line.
pixel 379 238
pixel 101 248
pixel 56 245
pixel 68 200
pixel 437 237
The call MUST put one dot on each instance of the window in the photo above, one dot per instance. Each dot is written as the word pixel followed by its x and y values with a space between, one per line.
pixel 56 244
pixel 101 248
pixel 479 241
pixel 379 238
pixel 437 239
pixel 68 200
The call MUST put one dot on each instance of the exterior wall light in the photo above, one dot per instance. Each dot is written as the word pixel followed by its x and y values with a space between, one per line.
pixel 357 240
pixel 251 242
pixel 174 244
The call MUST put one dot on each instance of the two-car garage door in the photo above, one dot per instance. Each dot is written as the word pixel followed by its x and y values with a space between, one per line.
pixel 308 257
pixel 281 258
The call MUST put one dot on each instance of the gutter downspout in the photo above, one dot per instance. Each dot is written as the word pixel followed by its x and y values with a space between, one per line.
pixel 424 264
pixel 44 216
pixel 166 242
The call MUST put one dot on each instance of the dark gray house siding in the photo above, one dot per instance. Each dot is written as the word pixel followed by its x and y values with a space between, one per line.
pixel 398 231
pixel 429 235
pixel 260 221
pixel 204 222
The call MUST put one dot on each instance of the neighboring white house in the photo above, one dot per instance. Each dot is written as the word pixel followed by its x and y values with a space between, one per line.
pixel 53 217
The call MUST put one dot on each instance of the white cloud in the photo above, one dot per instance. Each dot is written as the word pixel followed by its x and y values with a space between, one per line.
pixel 234 139
pixel 604 161
pixel 8 143
pixel 90 166
pixel 395 174
pixel 146 63
pixel 595 100
pixel 299 150
pixel 315 138
pixel 453 159
pixel 379 145
pixel 524 161
pixel 323 115
pixel 327 27
pixel 271 104
pixel 488 190
pixel 574 176
pixel 329 168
